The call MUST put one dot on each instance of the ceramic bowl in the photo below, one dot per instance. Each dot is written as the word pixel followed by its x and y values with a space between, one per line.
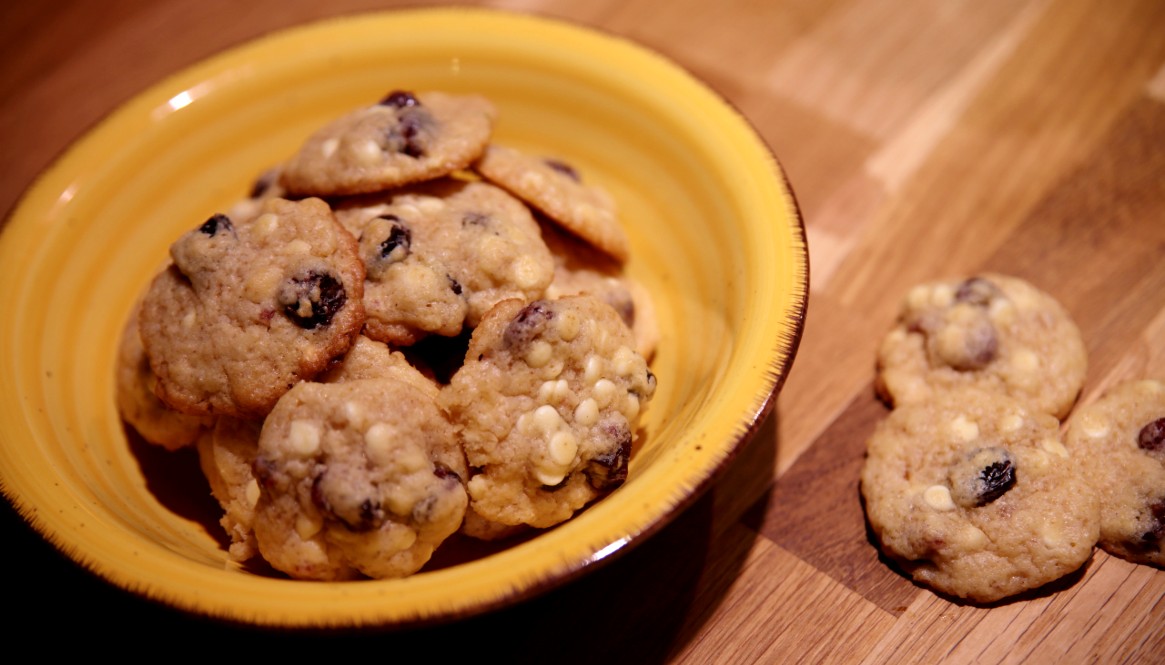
pixel 715 235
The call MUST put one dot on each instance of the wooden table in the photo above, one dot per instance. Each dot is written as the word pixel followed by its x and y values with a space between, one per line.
pixel 924 139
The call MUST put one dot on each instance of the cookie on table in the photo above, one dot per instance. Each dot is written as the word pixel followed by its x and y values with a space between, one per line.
pixel 440 255
pixel 547 404
pixel 1121 440
pixel 991 332
pixel 558 191
pixel 249 308
pixel 139 406
pixel 581 269
pixel 359 477
pixel 975 495
pixel 404 138
pixel 226 455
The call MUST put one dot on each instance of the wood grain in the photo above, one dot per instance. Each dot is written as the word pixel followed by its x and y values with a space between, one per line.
pixel 924 139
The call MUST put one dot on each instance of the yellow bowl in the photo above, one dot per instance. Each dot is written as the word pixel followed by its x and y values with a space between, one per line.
pixel 715 235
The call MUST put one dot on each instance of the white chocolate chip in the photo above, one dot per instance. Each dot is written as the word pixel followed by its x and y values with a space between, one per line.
pixel 593 369
pixel 1054 447
pixel 551 370
pixel 1010 423
pixel 939 498
pixel 630 408
pixel 525 272
pixel 189 319
pixel 308 525
pixel 1025 361
pixel 547 420
pixel 972 537
pixel 378 441
pixel 367 153
pixel 562 447
pixel 918 297
pixel 430 204
pixel 298 247
pixel 963 429
pixel 553 392
pixel 604 392
pixel 532 180
pixel 587 412
pixel 1094 425
pixel 304 437
pixel 251 493
pixel 549 478
pixel 538 353
pixel 568 325
pixel 625 361
pixel 354 414
pixel 262 284
pixel 1051 534
pixel 265 224
pixel 942 295
pixel 328 147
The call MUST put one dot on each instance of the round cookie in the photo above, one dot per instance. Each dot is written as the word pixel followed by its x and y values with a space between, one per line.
pixel 361 477
pixel 139 406
pixel 991 332
pixel 404 138
pixel 226 455
pixel 440 255
pixel 557 190
pixel 547 404
pixel 266 186
pixel 249 308
pixel 579 269
pixel 1121 440
pixel 974 495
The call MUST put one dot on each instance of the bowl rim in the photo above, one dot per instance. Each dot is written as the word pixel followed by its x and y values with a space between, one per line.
pixel 750 420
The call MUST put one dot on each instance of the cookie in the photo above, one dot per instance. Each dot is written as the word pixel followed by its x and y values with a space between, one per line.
pixel 139 406
pixel 361 477
pixel 580 269
pixel 249 308
pixel 404 138
pixel 548 405
pixel 975 495
pixel 439 256
pixel 1121 439
pixel 990 332
pixel 369 359
pixel 558 191
pixel 226 456
pixel 265 187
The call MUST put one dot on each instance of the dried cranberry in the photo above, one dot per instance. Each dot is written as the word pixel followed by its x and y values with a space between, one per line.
pixel 217 222
pixel 399 241
pixel 563 168
pixel 977 291
pixel 400 99
pixel 1156 530
pixel 608 470
pixel 313 299
pixel 528 324
pixel 1152 436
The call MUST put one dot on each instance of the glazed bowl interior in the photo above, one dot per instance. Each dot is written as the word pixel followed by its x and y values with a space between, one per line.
pixel 715 235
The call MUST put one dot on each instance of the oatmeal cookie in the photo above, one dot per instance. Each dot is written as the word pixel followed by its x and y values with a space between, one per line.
pixel 974 495
pixel 404 138
pixel 139 406
pixel 226 455
pixel 249 308
pixel 557 190
pixel 440 255
pixel 548 404
pixel 991 332
pixel 360 477
pixel 1121 439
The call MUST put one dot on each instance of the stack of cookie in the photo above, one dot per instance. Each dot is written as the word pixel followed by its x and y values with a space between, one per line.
pixel 402 333
pixel 971 483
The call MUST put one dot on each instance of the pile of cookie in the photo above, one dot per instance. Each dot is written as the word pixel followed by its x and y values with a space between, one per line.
pixel 404 332
pixel 972 484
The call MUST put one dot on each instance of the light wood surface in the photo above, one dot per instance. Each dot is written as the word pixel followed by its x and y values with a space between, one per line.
pixel 924 139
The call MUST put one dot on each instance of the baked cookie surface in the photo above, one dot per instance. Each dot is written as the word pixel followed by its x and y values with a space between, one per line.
pixel 249 308
pixel 139 406
pixel 440 255
pixel 992 332
pixel 359 477
pixel 404 138
pixel 975 495
pixel 547 404
pixel 1121 437
pixel 558 191
pixel 226 455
